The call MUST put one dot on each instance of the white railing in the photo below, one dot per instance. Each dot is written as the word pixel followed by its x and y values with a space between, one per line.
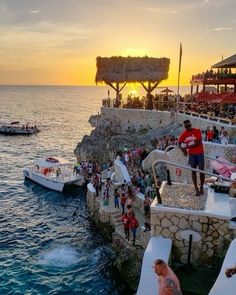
pixel 207 117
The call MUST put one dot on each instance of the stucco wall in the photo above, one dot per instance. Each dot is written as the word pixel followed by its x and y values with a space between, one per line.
pixel 155 119
pixel 138 118
pixel 215 234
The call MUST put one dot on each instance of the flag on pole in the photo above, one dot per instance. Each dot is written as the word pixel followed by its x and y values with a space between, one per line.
pixel 180 57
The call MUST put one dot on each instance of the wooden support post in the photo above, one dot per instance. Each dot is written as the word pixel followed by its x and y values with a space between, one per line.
pixel 204 88
pixel 149 89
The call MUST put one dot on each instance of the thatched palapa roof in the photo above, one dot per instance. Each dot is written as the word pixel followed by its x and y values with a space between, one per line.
pixel 229 62
pixel 131 69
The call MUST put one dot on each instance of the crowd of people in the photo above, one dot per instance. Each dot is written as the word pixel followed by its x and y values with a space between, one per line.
pixel 215 135
pixel 163 142
pixel 123 197
pixel 211 109
pixel 219 74
pixel 210 134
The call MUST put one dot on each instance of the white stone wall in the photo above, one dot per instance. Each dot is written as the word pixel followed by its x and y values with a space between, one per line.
pixel 156 119
pixel 215 234
pixel 137 118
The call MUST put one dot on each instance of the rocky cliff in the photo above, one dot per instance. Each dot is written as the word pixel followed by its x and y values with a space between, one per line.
pixel 110 135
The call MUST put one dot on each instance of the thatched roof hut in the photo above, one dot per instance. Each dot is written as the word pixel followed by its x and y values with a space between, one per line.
pixel 229 62
pixel 118 69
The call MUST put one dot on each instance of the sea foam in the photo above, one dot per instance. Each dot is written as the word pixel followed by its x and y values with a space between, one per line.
pixel 61 256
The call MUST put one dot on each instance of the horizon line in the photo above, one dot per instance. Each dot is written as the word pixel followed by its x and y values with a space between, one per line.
pixel 75 85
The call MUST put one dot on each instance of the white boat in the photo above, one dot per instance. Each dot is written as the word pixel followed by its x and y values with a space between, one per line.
pixel 54 173
pixel 17 128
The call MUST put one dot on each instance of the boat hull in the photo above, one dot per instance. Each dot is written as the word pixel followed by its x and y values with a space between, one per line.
pixel 13 131
pixel 44 181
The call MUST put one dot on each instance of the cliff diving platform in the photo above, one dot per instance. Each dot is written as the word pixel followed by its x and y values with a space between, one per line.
pixel 180 198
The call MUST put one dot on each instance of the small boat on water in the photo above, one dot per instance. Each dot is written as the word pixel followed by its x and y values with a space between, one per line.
pixel 17 128
pixel 54 173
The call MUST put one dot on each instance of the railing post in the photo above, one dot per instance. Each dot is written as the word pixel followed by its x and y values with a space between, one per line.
pixel 168 177
pixel 158 196
pixel 189 249
pixel 157 188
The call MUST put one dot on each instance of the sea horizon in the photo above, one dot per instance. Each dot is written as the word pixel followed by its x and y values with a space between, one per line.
pixel 135 89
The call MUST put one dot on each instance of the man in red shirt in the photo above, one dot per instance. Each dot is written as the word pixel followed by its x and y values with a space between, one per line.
pixel 126 223
pixel 190 142
pixel 134 226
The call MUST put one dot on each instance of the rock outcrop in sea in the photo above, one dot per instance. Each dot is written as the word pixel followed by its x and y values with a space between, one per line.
pixel 110 135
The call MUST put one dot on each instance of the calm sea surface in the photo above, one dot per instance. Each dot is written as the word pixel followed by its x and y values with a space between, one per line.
pixel 47 244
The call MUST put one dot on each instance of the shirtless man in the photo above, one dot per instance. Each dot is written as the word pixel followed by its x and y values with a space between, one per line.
pixel 168 281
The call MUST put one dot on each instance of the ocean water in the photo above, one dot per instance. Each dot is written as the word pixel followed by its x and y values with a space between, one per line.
pixel 47 243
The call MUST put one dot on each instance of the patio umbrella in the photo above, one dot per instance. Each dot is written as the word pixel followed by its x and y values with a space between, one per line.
pixel 167 91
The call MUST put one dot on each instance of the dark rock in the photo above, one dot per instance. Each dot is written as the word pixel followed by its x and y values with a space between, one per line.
pixel 108 136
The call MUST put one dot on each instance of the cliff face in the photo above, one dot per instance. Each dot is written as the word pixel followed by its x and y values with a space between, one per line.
pixel 110 135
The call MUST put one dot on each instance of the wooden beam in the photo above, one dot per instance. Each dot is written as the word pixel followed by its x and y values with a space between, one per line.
pixel 154 86
pixel 123 86
pixel 144 86
pixel 110 84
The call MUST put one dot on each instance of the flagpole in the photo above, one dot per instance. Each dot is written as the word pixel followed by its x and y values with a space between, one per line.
pixel 180 61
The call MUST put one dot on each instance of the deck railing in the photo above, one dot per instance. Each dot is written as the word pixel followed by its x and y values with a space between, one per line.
pixel 207 117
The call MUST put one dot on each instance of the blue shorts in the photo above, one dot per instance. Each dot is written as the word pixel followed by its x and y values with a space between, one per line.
pixel 196 161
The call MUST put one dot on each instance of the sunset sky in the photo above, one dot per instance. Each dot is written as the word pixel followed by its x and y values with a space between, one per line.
pixel 57 41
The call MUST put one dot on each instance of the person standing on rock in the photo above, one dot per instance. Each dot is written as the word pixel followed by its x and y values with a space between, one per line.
pixel 133 227
pixel 146 207
pixel 126 223
pixel 106 194
pixel 190 142
pixel 96 183
pixel 117 199
pixel 168 281
pixel 122 202
pixel 148 184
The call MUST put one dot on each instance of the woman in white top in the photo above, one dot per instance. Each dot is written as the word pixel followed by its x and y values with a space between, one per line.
pixel 224 137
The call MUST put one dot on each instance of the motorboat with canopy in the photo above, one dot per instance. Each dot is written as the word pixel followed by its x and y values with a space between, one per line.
pixel 54 173
pixel 17 128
